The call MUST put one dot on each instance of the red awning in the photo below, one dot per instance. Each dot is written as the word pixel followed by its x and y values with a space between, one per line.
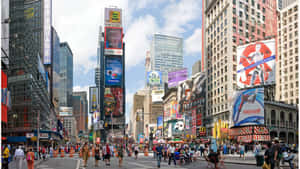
pixel 3 138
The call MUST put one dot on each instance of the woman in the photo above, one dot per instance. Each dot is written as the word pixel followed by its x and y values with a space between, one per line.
pixel 5 156
pixel 97 155
pixel 30 159
pixel 107 153
pixel 120 154
pixel 85 154
pixel 136 151
pixel 242 151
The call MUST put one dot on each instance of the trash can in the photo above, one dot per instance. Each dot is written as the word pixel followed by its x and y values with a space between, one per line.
pixel 259 160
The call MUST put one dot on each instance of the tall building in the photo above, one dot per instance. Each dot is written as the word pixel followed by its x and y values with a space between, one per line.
pixel 66 75
pixel 28 80
pixel 227 24
pixel 196 67
pixel 287 80
pixel 281 4
pixel 80 110
pixel 166 55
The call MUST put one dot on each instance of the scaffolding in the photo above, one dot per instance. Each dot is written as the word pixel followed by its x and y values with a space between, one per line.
pixel 26 78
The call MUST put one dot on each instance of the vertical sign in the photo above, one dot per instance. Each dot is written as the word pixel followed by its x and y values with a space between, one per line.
pixel 47 30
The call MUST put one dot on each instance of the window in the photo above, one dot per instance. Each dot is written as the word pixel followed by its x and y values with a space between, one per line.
pixel 241 14
pixel 234 20
pixel 240 22
pixel 258 6
pixel 234 11
pixel 234 29
pixel 264 10
pixel 234 2
pixel 258 31
pixel 252 29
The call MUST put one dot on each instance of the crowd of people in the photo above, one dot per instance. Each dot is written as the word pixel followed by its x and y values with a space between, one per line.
pixel 176 153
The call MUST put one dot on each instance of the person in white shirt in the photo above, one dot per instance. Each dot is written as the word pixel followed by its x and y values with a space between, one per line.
pixel 171 153
pixel 19 157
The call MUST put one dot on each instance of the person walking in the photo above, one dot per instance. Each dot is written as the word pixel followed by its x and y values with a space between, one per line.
pixel 5 156
pixel 107 153
pixel 269 157
pixel 171 153
pixel 19 157
pixel 159 154
pixel 277 152
pixel 30 158
pixel 136 151
pixel 120 154
pixel 242 150
pixel 154 151
pixel 97 155
pixel 85 154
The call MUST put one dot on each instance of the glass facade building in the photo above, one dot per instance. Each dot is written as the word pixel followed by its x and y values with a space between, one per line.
pixel 56 67
pixel 166 54
pixel 66 75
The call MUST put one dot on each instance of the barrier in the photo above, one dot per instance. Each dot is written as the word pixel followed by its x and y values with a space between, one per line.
pixel 62 153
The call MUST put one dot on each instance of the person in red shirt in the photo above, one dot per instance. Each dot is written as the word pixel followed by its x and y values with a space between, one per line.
pixel 154 151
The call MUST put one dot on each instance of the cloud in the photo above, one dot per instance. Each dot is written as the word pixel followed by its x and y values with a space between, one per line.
pixel 193 44
pixel 177 15
pixel 137 39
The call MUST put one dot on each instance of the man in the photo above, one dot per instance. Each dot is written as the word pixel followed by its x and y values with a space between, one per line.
pixel 19 157
pixel 171 153
pixel 277 152
pixel 154 151
pixel 5 156
pixel 159 154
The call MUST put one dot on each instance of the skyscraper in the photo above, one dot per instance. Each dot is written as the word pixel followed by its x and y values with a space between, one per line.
pixel 287 79
pixel 166 55
pixel 80 110
pixel 196 67
pixel 66 74
pixel 227 24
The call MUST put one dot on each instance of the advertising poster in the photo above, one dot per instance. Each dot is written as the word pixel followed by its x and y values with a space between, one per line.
pixel 194 122
pixel 166 112
pixel 113 39
pixel 173 110
pixel 47 31
pixel 160 122
pixel 113 102
pixel 154 78
pixel 177 127
pixel 96 116
pixel 93 99
pixel 177 76
pixel 113 71
pixel 157 95
pixel 256 64
pixel 248 107
pixel 113 16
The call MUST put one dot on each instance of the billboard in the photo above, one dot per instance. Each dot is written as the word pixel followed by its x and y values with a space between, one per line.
pixel 177 76
pixel 177 127
pixel 113 102
pixel 154 78
pixel 113 17
pixel 160 122
pixel 113 41
pixel 47 31
pixel 96 117
pixel 113 71
pixel 94 99
pixel 256 64
pixel 157 95
pixel 248 107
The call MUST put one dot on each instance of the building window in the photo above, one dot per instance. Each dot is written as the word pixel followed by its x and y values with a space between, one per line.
pixel 264 10
pixel 234 20
pixel 234 39
pixel 241 14
pixel 240 22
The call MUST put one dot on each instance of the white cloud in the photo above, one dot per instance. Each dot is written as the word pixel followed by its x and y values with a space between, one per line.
pixel 193 44
pixel 138 38
pixel 178 15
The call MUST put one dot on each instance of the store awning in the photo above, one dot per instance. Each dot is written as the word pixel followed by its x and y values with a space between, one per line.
pixel 16 139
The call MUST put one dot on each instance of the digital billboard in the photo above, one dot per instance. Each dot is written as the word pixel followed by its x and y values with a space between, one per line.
pixel 154 78
pixel 113 16
pixel 256 64
pixel 177 127
pixel 160 122
pixel 96 117
pixel 113 71
pixel 93 99
pixel 113 102
pixel 177 76
pixel 113 39
pixel 47 31
pixel 248 107
pixel 157 95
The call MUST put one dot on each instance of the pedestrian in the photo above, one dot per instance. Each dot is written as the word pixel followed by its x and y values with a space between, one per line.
pixel 5 156
pixel 154 151
pixel 30 158
pixel 136 151
pixel 242 150
pixel 85 154
pixel 171 154
pixel 19 157
pixel 107 153
pixel 97 155
pixel 159 149
pixel 288 158
pixel 120 154
pixel 51 152
pixel 269 157
pixel 277 152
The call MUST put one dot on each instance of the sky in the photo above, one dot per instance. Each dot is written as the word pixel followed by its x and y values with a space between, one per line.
pixel 77 22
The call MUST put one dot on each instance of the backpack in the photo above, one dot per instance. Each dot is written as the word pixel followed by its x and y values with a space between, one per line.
pixel 29 158
pixel 107 150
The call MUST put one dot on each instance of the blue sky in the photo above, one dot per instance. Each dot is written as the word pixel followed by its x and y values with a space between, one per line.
pixel 79 26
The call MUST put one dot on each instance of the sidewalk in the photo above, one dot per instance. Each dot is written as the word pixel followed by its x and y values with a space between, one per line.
pixel 12 164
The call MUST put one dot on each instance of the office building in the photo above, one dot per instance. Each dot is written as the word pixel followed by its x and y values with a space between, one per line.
pixel 66 75
pixel 281 4
pixel 196 67
pixel 226 25
pixel 166 55
pixel 287 67
pixel 80 110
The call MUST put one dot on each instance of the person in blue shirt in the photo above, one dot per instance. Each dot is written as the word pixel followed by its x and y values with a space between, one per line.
pixel 159 154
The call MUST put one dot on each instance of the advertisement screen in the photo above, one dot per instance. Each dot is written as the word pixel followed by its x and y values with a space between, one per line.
pixel 248 107
pixel 113 38
pixel 157 95
pixel 47 31
pixel 113 71
pixel 256 64
pixel 113 16
pixel 96 117
pixel 113 102
pixel 154 78
pixel 177 127
pixel 177 76
pixel 160 122
pixel 93 99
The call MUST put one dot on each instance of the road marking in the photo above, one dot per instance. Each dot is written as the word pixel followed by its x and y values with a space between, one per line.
pixel 78 164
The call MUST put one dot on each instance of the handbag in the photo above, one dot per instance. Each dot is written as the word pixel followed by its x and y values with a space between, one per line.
pixel 266 166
